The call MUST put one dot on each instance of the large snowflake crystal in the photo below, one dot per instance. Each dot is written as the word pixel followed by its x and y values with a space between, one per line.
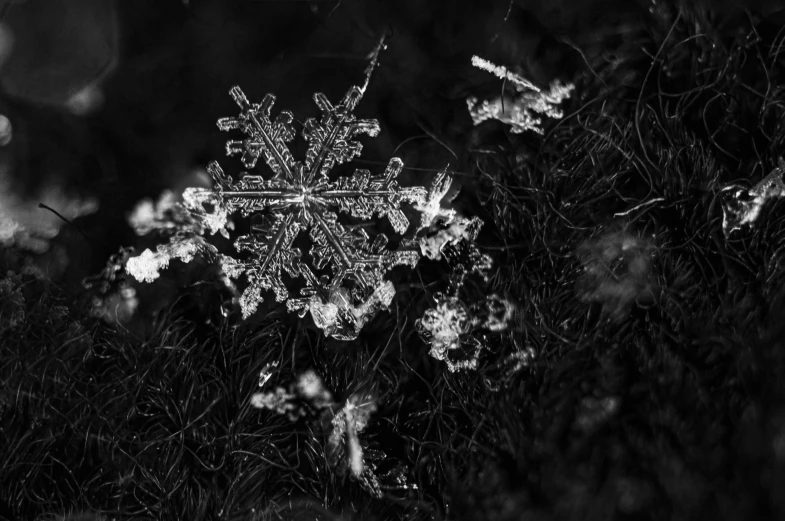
pixel 345 271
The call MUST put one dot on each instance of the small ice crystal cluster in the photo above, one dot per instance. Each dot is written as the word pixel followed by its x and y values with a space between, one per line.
pixel 184 224
pixel 343 275
pixel 743 207
pixel 345 421
pixel 520 111
pixel 454 330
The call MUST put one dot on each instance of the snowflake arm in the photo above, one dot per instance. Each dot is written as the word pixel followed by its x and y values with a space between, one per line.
pixel 330 139
pixel 265 136
pixel 271 245
pixel 363 196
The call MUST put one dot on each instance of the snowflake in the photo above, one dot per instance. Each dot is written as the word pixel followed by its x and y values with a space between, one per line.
pixel 300 197
pixel 744 206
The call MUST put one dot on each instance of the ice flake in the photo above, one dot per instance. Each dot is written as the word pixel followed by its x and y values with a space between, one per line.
pixel 300 197
pixel 449 327
pixel 431 208
pixel 343 443
pixel 744 206
pixel 519 111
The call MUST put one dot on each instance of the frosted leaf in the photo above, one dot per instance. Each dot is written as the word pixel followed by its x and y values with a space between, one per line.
pixel 450 328
pixel 207 208
pixel 279 401
pixel 146 267
pixel 231 267
pixel 343 444
pixel 311 388
pixel 460 228
pixel 266 373
pixel 308 389
pixel 496 313
pixel 444 326
pixel 342 319
pixel 743 207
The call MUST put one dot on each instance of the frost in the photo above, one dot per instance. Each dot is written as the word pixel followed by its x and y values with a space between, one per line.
pixel 744 206
pixel 521 111
pixel 341 422
pixel 300 197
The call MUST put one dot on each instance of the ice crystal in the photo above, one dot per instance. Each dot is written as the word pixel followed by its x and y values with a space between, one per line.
pixel 450 327
pixel 519 111
pixel 346 269
pixel 266 373
pixel 504 73
pixel 146 267
pixel 184 224
pixel 431 208
pixel 341 422
pixel 148 216
pixel 744 206
pixel 343 444
pixel 444 327
pixel 29 223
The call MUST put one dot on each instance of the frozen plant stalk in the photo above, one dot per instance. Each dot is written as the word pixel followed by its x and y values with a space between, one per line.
pixel 344 277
